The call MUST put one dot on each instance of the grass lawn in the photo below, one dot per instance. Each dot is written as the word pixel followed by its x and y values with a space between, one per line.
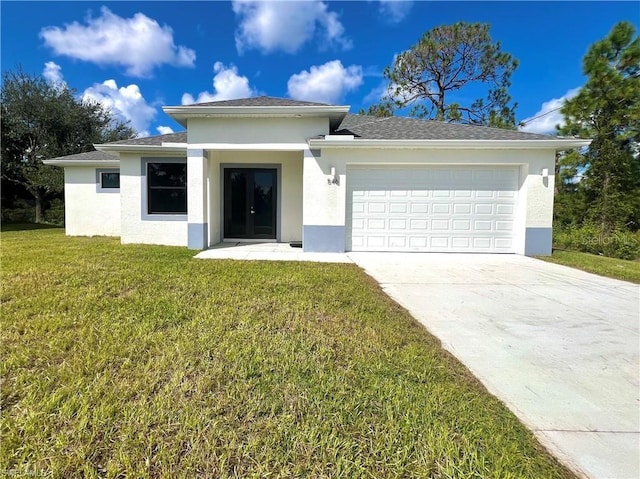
pixel 139 361
pixel 610 267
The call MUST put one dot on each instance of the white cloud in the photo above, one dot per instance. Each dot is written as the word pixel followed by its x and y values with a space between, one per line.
pixel 384 89
pixel 326 83
pixel 549 115
pixel 53 74
pixel 138 43
pixel 377 93
pixel 126 103
pixel 164 130
pixel 394 11
pixel 269 26
pixel 187 99
pixel 227 85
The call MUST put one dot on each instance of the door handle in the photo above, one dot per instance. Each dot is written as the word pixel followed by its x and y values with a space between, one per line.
pixel 252 211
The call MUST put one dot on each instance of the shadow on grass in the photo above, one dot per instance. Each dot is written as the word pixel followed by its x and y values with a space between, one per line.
pixel 27 226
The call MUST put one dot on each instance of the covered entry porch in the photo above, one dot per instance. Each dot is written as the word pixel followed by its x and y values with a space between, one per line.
pixel 242 193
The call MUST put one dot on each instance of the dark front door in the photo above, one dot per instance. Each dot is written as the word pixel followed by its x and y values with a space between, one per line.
pixel 250 203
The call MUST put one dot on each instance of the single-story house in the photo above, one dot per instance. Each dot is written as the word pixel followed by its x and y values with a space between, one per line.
pixel 274 169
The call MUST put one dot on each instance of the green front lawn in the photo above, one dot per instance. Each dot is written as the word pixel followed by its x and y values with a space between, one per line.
pixel 139 361
pixel 602 265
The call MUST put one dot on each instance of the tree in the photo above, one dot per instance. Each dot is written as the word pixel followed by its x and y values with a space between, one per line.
pixel 569 203
pixel 383 109
pixel 42 120
pixel 450 58
pixel 607 109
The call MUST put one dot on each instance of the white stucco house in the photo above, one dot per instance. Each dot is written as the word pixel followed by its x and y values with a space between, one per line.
pixel 273 169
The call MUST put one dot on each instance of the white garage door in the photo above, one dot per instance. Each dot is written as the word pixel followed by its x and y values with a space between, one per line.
pixel 439 209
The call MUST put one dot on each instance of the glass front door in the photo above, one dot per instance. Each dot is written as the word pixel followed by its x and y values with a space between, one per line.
pixel 250 203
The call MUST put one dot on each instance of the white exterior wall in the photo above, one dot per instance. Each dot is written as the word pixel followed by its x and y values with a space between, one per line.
pixel 290 205
pixel 197 206
pixel 214 182
pixel 87 211
pixel 135 228
pixel 540 190
pixel 255 130
pixel 539 207
pixel 325 204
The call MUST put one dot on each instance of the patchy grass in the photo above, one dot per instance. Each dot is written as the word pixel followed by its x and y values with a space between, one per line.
pixel 139 361
pixel 611 267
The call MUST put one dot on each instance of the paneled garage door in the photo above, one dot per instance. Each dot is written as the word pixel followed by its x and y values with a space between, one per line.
pixel 439 209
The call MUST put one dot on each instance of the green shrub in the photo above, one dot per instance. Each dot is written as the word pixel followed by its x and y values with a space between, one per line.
pixel 23 212
pixel 20 212
pixel 623 245
pixel 588 238
pixel 55 213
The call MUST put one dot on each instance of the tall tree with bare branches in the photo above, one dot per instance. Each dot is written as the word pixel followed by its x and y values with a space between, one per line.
pixel 446 60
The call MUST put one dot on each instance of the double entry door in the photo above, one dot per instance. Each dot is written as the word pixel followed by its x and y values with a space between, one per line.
pixel 250 197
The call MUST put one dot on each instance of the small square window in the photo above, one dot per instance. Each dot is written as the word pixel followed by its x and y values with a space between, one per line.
pixel 109 180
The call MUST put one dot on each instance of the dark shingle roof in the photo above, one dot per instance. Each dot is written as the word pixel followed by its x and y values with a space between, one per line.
pixel 157 140
pixel 401 128
pixel 261 101
pixel 90 156
pixel 365 127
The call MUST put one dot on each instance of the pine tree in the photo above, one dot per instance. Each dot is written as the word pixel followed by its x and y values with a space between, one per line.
pixel 607 109
pixel 447 59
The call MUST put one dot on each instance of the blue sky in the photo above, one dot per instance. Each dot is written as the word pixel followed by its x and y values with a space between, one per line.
pixel 137 56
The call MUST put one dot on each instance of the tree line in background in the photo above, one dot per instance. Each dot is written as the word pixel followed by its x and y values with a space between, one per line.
pixel 597 202
pixel 598 190
pixel 41 120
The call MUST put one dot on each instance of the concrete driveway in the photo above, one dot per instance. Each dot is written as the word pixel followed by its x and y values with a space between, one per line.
pixel 560 347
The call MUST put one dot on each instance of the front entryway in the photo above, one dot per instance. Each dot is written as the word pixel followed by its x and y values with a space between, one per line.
pixel 250 204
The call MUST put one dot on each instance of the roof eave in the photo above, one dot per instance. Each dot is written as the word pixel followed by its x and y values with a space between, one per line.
pixel 335 113
pixel 554 144
pixel 164 148
pixel 100 163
